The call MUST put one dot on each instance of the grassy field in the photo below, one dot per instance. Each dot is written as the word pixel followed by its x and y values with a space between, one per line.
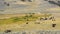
pixel 19 22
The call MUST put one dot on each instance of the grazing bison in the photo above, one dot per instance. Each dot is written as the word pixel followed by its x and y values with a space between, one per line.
pixel 53 25
pixel 7 31
pixel 27 23
pixel 52 18
pixel 43 18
